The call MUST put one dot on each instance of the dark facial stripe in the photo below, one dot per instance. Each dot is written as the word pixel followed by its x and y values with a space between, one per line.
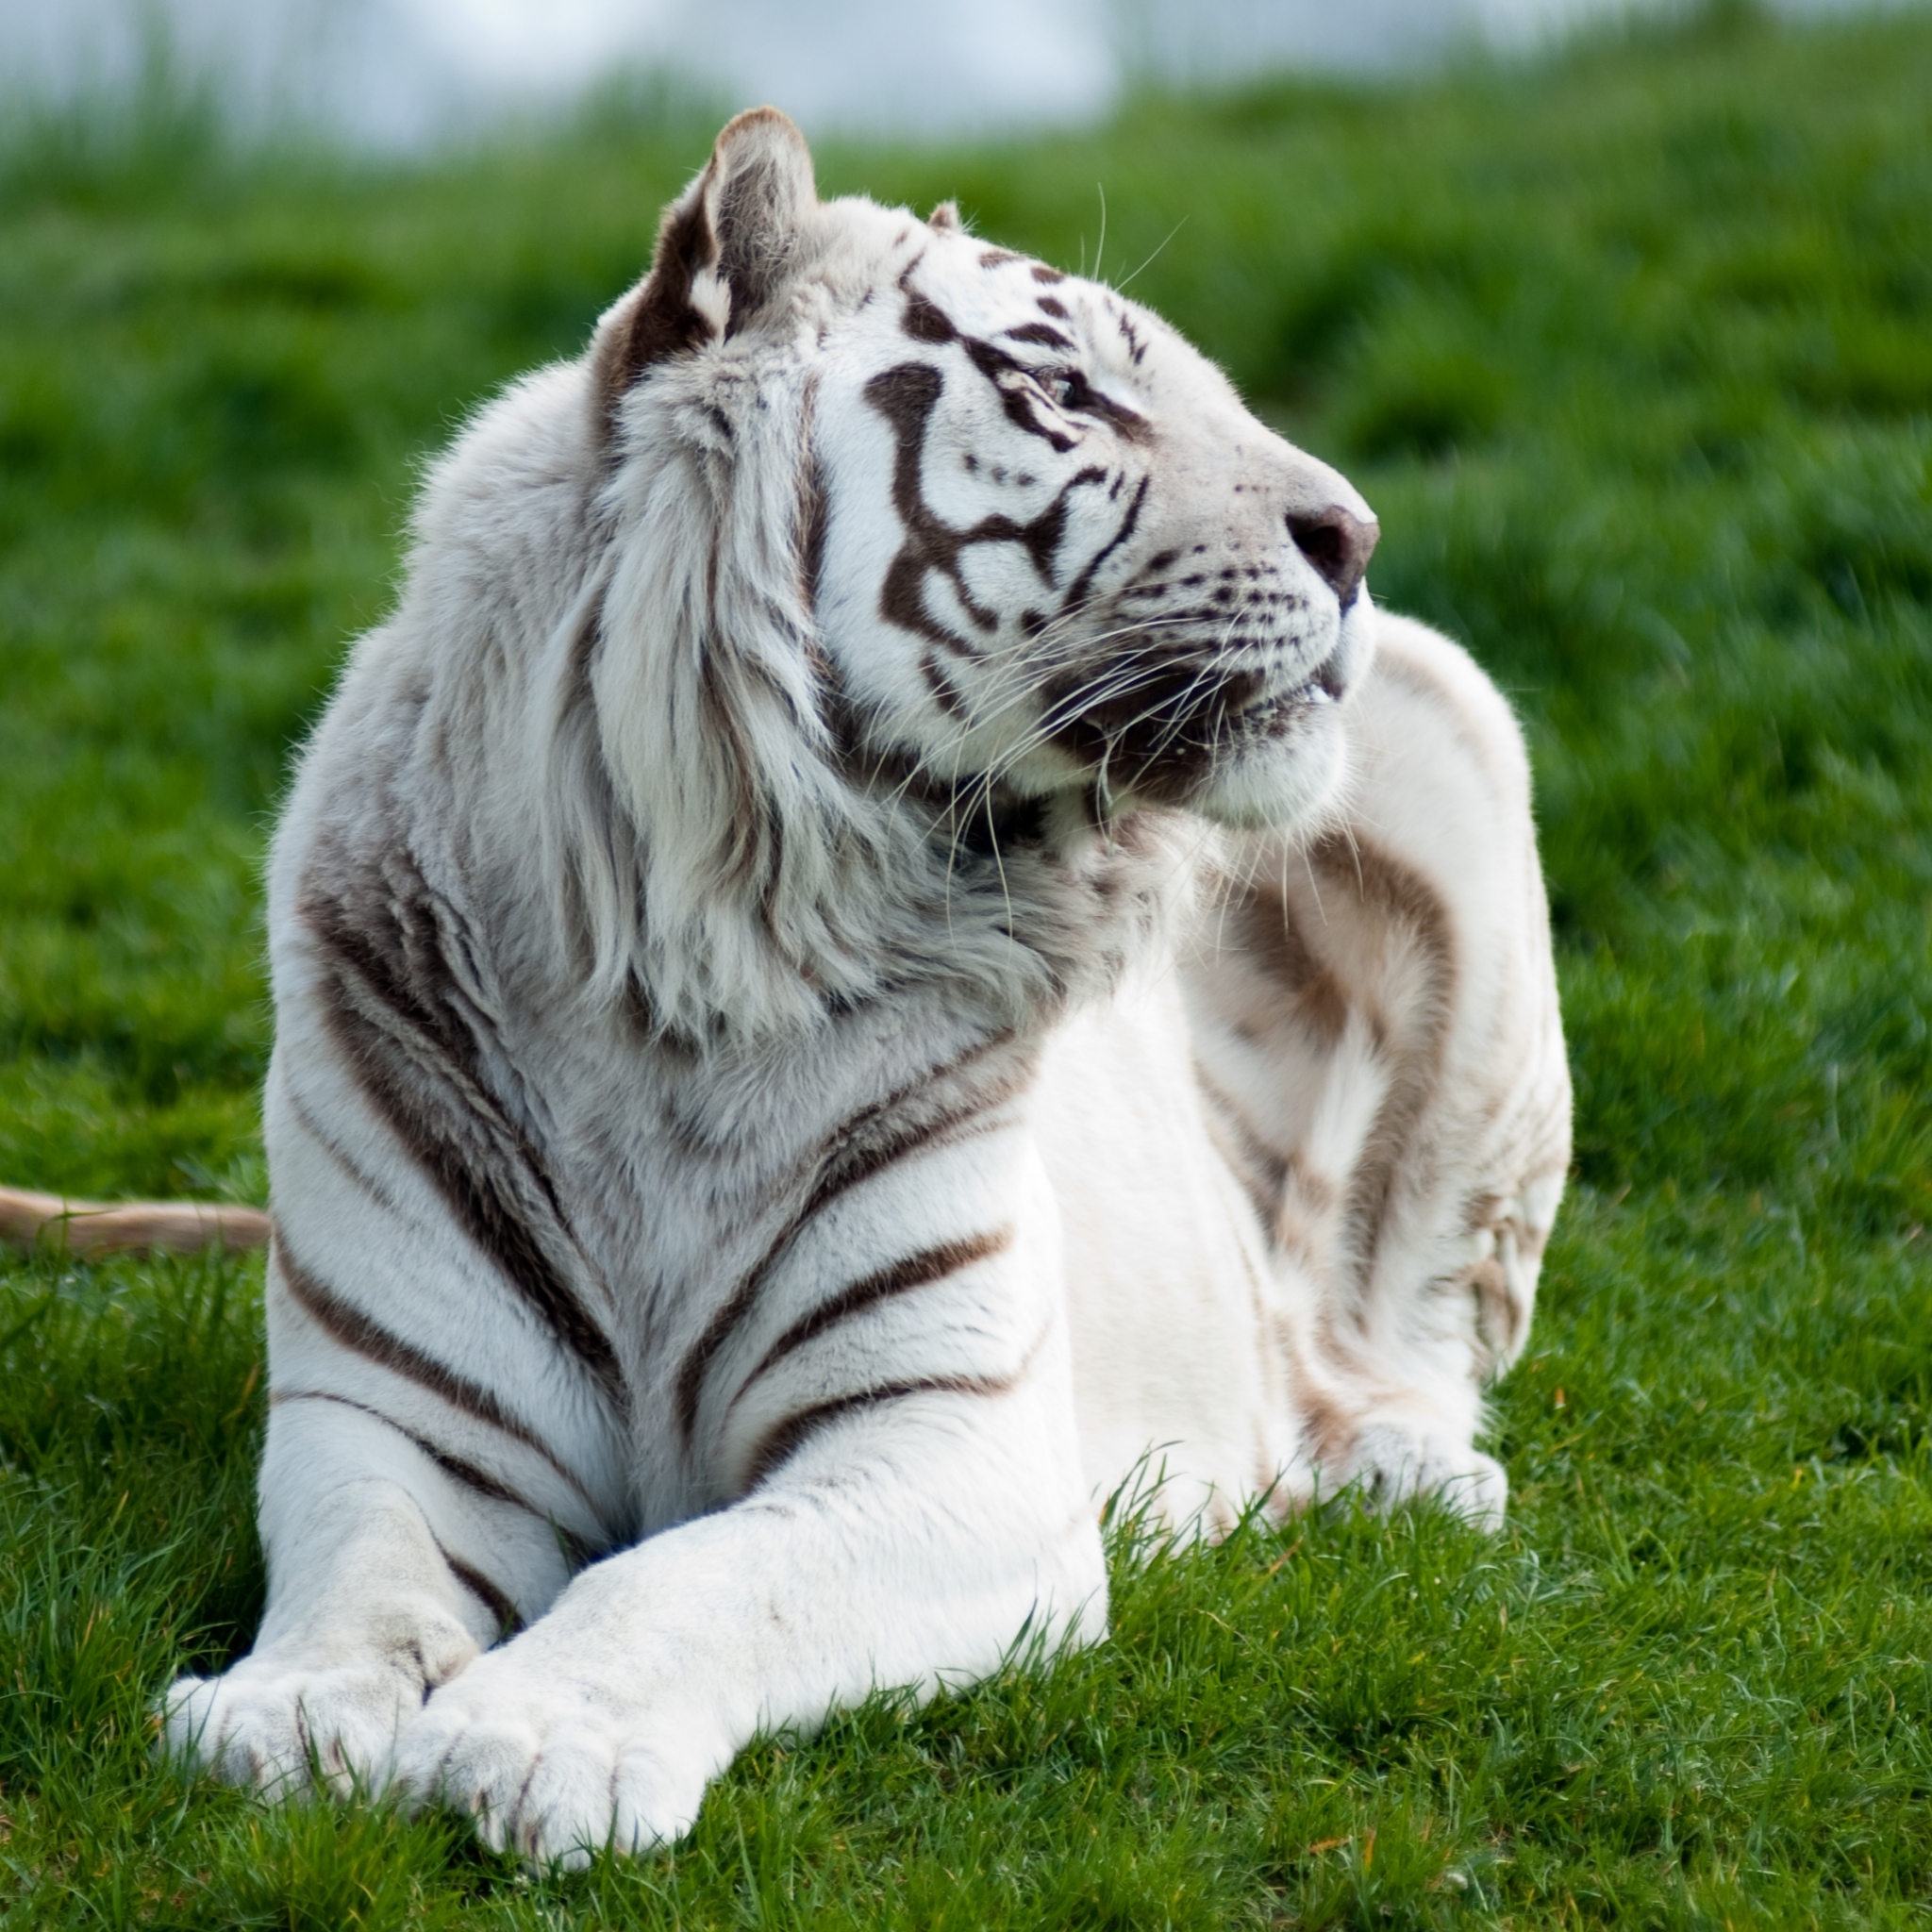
pixel 919 1269
pixel 1089 401
pixel 409 1036
pixel 871 1142
pixel 1044 333
pixel 1016 393
pixel 1083 584
pixel 510 1619
pixel 354 1330
pixel 906 398
pixel 782 1441
pixel 926 323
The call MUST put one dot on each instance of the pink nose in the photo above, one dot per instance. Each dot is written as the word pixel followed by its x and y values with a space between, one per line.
pixel 1339 545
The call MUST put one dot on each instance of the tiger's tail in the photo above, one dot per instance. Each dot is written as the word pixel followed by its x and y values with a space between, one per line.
pixel 120 1227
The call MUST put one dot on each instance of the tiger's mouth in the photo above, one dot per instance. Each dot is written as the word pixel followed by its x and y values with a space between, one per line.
pixel 1253 735
pixel 1324 686
pixel 1156 718
pixel 1233 747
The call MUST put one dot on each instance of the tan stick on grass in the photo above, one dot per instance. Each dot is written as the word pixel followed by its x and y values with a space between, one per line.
pixel 101 1227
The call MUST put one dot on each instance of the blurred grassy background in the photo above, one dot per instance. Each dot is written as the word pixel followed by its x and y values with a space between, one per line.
pixel 1633 355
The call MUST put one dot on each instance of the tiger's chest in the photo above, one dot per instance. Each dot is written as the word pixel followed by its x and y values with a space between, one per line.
pixel 1169 1286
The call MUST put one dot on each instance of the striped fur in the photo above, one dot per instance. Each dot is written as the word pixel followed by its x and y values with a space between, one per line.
pixel 885 930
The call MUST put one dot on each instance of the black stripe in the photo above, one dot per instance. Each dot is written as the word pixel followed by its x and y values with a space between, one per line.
pixel 1016 397
pixel 783 1443
pixel 851 1158
pixel 914 1271
pixel 340 1155
pixel 408 1034
pixel 1042 332
pixel 847 1158
pixel 905 396
pixel 814 507
pixel 1084 583
pixel 454 1466
pixel 688 1383
pixel 923 322
pixel 355 1331
pixel 509 1619
pixel 783 1440
pixel 660 320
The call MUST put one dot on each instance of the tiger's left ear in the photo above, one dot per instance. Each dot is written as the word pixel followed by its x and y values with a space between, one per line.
pixel 945 218
pixel 727 250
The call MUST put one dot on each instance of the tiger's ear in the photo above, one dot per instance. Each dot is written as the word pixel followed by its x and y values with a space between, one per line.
pixel 725 252
pixel 945 218
pixel 761 197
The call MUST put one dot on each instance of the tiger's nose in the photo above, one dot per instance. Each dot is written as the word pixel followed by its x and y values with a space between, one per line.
pixel 1339 544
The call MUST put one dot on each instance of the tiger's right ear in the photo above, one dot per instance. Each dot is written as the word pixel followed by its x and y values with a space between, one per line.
pixel 726 254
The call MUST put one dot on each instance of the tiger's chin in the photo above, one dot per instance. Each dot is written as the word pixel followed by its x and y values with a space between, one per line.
pixel 1289 759
pixel 1283 779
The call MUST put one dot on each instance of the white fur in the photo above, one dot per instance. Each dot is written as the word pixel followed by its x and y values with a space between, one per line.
pixel 695 1149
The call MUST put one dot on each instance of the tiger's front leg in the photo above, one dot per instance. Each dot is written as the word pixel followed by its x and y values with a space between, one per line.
pixel 422 1487
pixel 910 1500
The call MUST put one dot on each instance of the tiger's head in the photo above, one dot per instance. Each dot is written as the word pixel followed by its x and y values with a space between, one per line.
pixel 1104 575
pixel 901 518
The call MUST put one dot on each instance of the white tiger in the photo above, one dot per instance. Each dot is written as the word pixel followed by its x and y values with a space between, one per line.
pixel 885 932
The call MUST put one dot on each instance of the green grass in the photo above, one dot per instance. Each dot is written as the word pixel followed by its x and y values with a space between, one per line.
pixel 1633 355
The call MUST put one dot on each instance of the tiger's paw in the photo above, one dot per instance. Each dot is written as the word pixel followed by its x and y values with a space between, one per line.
pixel 553 1770
pixel 1399 1461
pixel 285 1729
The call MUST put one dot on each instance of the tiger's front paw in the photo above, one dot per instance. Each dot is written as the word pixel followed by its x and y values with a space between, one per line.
pixel 282 1729
pixel 553 1768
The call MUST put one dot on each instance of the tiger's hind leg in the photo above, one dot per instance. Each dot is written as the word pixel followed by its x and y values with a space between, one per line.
pixel 1378 1036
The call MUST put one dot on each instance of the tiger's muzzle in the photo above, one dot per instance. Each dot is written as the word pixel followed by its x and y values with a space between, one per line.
pixel 1219 655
